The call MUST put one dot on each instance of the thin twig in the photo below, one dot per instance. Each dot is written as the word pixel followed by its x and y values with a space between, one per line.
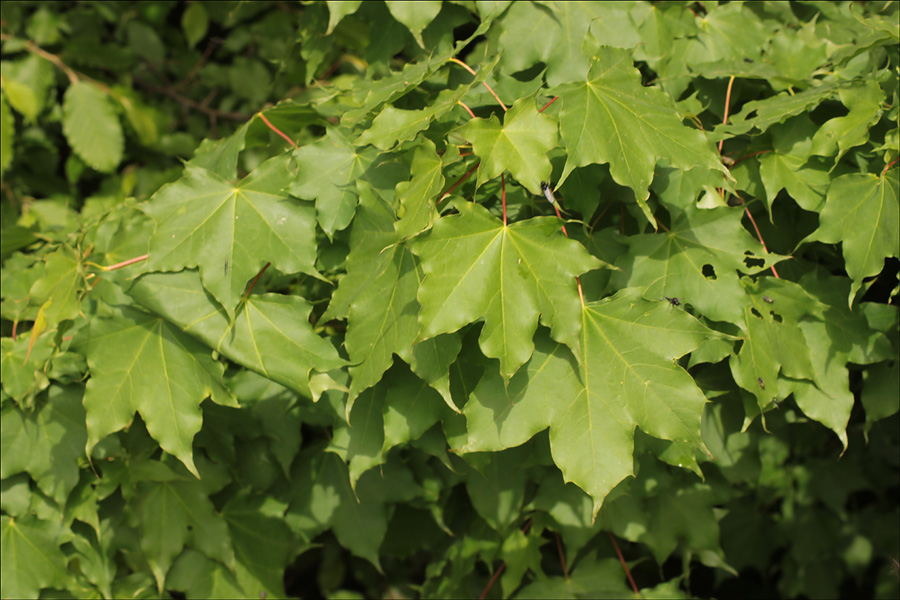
pixel 171 93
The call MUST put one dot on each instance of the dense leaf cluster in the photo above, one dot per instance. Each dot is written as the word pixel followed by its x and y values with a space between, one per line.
pixel 450 299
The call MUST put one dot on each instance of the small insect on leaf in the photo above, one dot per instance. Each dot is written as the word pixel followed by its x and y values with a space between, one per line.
pixel 548 193
pixel 761 383
pixel 767 300
pixel 673 301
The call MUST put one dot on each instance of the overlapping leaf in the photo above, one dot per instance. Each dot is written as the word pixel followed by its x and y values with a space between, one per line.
pixel 697 261
pixel 328 171
pixel 270 333
pixel 231 231
pixel 610 118
pixel 92 127
pixel 626 379
pixel 142 363
pixel 476 267
pixel 378 296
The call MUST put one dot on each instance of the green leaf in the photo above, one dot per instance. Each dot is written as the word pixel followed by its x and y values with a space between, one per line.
pixel 32 559
pixel 46 444
pixel 861 210
pixel 195 23
pixel 697 261
pixel 329 169
pixel 126 355
pixel 21 98
pixel 61 284
pixel 881 392
pixel 476 267
pixel 7 134
pixel 530 33
pixel 339 10
pixel 415 15
pixel 627 379
pixel 611 118
pixel 270 334
pixel 842 133
pixel 519 145
pixel 231 231
pixel 418 196
pixel 92 127
pixel 190 520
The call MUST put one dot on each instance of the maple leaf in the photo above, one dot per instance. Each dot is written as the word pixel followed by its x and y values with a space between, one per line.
pixel 477 267
pixel 627 379
pixel 270 333
pixel 861 210
pixel 230 231
pixel 519 145
pixel 139 362
pixel 610 118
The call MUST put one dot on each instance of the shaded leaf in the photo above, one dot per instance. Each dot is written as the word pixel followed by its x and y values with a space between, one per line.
pixel 270 333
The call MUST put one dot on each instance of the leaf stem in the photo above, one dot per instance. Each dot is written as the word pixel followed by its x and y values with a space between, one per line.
pixel 124 263
pixel 727 105
pixel 468 110
pixel 255 279
pixel 624 566
pixel 503 195
pixel 758 234
pixel 555 98
pixel 276 130
pixel 484 83
pixel 562 558
pixel 889 165
pixel 458 181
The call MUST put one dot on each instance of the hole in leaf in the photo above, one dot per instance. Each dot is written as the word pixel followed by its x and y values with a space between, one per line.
pixel 776 317
pixel 754 262
pixel 709 272
pixel 756 313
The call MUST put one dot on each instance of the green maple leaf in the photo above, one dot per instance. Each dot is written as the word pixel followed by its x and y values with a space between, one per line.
pixel 329 169
pixel 627 379
pixel 417 196
pixel 270 333
pixel 862 210
pixel 610 118
pixel 378 297
pixel 519 145
pixel 32 557
pixel 477 267
pixel 231 231
pixel 141 363
pixel 697 261
pixel 190 518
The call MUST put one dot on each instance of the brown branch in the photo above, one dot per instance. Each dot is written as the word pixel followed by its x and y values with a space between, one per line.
pixel 458 182
pixel 171 93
